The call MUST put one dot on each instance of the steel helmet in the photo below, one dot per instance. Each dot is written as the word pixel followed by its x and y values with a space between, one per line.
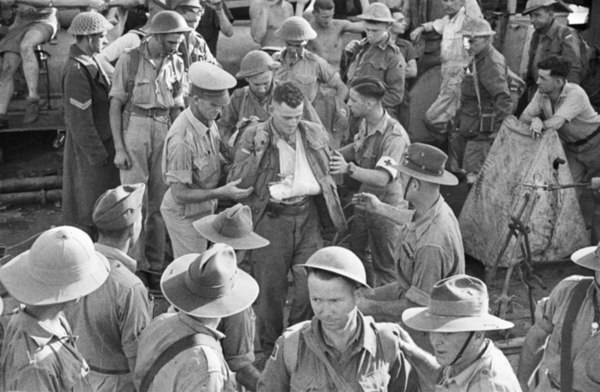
pixel 339 261
pixel 167 22
pixel 377 12
pixel 533 5
pixel 296 28
pixel 256 62
pixel 173 4
pixel 89 23
pixel 477 27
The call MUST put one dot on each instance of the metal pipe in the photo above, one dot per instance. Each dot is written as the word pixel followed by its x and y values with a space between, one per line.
pixel 40 197
pixel 11 185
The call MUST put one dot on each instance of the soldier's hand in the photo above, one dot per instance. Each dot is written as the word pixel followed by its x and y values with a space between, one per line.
pixel 536 127
pixel 366 201
pixel 337 164
pixel 415 35
pixel 231 190
pixel 351 45
pixel 595 183
pixel 122 160
pixel 261 140
pixel 216 5
pixel 406 343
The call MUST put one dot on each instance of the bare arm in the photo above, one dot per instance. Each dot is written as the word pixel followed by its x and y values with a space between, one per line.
pixel 353 27
pixel 373 205
pixel 184 194
pixel 428 369
pixel 224 23
pixel 259 17
pixel 122 160
pixel 375 177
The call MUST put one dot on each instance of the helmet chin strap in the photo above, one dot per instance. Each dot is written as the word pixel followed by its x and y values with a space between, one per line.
pixel 464 347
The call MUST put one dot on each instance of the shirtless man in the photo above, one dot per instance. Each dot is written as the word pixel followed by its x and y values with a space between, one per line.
pixel 328 43
pixel 266 16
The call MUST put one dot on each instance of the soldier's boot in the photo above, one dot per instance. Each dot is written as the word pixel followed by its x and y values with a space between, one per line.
pixel 32 111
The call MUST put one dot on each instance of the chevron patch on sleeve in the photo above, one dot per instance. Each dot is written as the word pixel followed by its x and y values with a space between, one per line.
pixel 80 105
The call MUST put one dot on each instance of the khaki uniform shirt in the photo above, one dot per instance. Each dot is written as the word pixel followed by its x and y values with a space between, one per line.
pixel 191 157
pixel 432 250
pixel 363 365
pixel 309 72
pixel 200 368
pixel 385 62
pixel 556 40
pixel 109 322
pixel 585 346
pixel 490 373
pixel 155 85
pixel 382 148
pixel 573 105
pixel 36 358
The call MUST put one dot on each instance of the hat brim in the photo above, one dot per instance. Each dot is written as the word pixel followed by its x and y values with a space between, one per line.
pixel 556 6
pixel 446 178
pixel 421 320
pixel 176 292
pixel 369 18
pixel 271 67
pixel 586 257
pixel 19 282
pixel 204 226
pixel 332 270
pixel 480 34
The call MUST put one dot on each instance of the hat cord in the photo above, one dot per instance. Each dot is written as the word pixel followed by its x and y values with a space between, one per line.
pixel 464 347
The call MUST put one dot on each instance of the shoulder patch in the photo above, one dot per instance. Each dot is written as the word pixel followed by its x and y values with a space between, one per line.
pixel 80 105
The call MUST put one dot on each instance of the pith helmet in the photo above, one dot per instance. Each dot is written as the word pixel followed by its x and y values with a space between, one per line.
pixel 377 12
pixel 533 5
pixel 256 62
pixel 89 23
pixel 296 28
pixel 167 22
pixel 339 261
pixel 62 265
pixel 477 27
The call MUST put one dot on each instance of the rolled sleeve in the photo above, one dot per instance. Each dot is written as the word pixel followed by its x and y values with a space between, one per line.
pixel 179 168
pixel 119 81
pixel 238 344
pixel 571 107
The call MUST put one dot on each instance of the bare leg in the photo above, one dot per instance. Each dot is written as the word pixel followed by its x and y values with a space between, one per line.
pixel 31 68
pixel 10 64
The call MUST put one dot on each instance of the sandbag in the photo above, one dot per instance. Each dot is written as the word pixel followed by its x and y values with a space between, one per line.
pixel 556 224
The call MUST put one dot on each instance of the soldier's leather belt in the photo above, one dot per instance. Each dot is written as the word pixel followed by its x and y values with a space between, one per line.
pixel 289 209
pixel 154 112
pixel 581 142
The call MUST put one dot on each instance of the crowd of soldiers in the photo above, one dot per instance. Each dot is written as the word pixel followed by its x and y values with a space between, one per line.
pixel 245 185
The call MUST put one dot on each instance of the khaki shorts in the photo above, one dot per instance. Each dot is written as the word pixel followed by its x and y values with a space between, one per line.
pixel 12 41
